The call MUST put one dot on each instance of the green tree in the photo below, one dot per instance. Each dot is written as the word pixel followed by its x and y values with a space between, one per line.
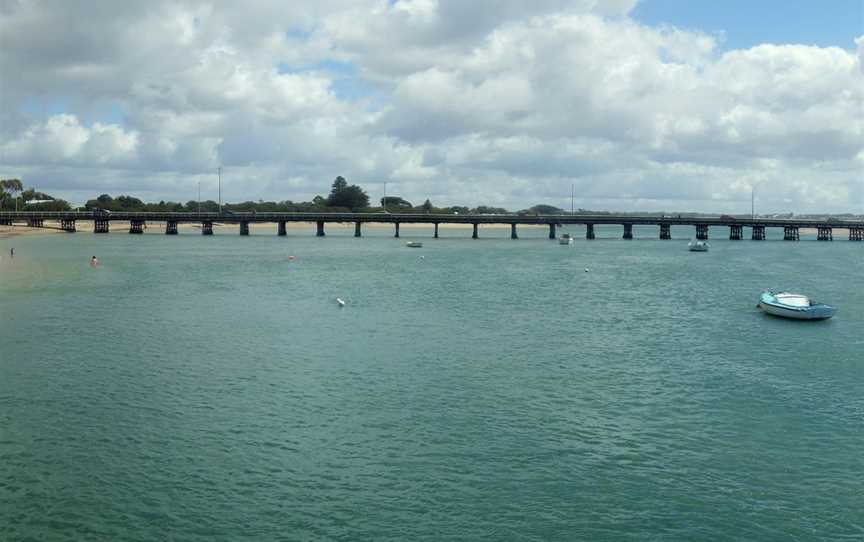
pixel 12 186
pixel 349 196
pixel 396 202
pixel 427 206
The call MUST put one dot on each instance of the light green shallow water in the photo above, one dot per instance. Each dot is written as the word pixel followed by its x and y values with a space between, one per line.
pixel 210 389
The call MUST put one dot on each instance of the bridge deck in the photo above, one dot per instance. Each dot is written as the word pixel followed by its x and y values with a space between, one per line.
pixel 406 218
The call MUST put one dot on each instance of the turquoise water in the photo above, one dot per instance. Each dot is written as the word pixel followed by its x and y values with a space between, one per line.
pixel 210 389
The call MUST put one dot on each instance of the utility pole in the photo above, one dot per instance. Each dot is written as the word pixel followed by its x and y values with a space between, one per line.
pixel 199 196
pixel 752 200
pixel 219 172
pixel 572 195
pixel 384 201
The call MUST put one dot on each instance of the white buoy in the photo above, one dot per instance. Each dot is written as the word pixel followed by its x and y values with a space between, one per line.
pixel 341 303
pixel 586 269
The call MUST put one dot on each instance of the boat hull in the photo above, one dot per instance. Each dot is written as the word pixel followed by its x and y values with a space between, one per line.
pixel 814 312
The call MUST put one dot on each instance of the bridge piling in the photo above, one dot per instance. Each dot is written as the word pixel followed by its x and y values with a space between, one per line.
pixel 244 227
pixel 665 231
pixel 280 229
pixel 825 233
pixel 357 229
pixel 552 231
pixel 436 230
pixel 207 228
pixel 589 231
pixel 319 228
pixel 702 232
pixel 100 225
pixel 856 234
pixel 758 233
pixel 67 225
pixel 474 234
pixel 790 233
pixel 136 226
pixel 35 222
pixel 736 232
pixel 396 234
pixel 513 231
pixel 171 227
pixel 628 231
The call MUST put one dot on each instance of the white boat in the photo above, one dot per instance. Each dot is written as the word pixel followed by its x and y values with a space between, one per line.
pixel 414 244
pixel 796 306
pixel 698 246
pixel 565 239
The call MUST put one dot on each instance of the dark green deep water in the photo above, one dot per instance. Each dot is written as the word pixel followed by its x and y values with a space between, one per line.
pixel 209 389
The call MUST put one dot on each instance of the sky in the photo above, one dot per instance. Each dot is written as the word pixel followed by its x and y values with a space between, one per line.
pixel 660 105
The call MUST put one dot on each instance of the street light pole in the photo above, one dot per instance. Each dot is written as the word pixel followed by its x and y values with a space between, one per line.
pixel 199 196
pixel 384 201
pixel 219 171
pixel 752 200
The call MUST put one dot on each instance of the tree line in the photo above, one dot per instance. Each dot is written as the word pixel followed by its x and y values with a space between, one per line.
pixel 343 197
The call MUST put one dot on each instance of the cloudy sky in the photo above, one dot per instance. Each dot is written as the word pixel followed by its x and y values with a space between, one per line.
pixel 641 104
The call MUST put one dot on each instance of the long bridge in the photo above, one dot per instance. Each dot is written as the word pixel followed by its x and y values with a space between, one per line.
pixel 137 221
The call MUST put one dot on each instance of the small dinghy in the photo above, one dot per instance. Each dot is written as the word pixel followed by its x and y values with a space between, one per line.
pixel 565 239
pixel 797 306
pixel 414 244
pixel 698 246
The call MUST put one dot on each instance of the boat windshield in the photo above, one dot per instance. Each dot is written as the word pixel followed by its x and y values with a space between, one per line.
pixel 794 300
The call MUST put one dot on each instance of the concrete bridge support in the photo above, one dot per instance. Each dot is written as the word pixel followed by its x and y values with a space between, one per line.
pixel 171 227
pixel 628 231
pixel 825 233
pixel 244 228
pixel 702 232
pixel 790 233
pixel 856 234
pixel 319 228
pixel 207 228
pixel 100 225
pixel 35 222
pixel 67 225
pixel 589 231
pixel 736 233
pixel 513 231
pixel 758 233
pixel 396 234
pixel 665 231
pixel 5 221
pixel 136 226
pixel 357 232
pixel 474 233
pixel 552 231
pixel 280 228
pixel 436 230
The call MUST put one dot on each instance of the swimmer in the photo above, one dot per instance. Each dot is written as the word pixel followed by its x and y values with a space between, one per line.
pixel 94 262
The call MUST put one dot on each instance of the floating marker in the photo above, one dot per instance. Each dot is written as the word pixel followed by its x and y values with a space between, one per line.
pixel 586 269
pixel 290 258
pixel 341 303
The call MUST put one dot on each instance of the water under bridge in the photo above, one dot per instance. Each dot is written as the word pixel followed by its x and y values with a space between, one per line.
pixel 137 222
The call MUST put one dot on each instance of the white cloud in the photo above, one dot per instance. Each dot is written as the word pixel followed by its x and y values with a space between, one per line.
pixel 499 102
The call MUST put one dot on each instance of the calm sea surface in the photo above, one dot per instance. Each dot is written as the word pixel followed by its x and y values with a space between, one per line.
pixel 212 389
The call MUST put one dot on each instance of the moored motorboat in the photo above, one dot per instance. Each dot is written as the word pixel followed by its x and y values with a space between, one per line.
pixel 414 244
pixel 698 246
pixel 796 306
pixel 565 239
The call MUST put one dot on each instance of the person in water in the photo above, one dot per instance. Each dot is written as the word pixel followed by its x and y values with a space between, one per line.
pixel 94 262
pixel 12 252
